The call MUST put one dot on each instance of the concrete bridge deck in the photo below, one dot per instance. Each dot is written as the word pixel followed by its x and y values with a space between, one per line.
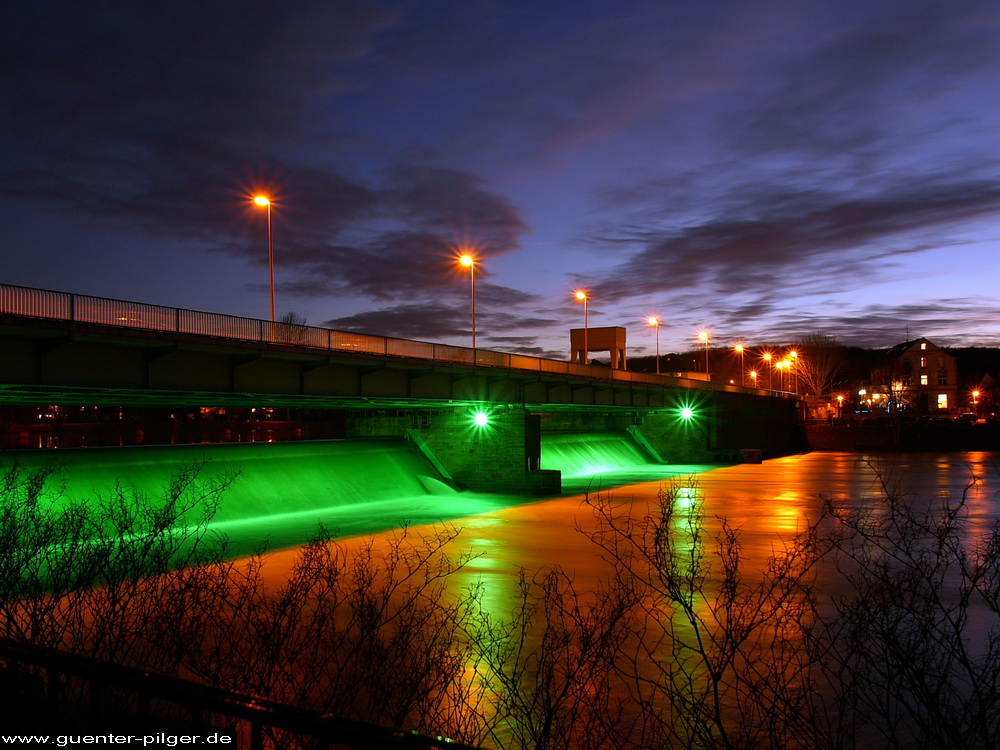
pixel 93 350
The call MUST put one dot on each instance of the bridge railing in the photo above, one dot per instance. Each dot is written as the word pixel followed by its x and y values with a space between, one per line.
pixel 43 303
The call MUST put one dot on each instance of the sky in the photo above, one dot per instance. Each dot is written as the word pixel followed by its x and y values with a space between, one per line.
pixel 763 171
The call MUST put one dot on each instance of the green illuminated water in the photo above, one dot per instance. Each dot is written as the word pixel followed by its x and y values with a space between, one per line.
pixel 591 460
pixel 283 490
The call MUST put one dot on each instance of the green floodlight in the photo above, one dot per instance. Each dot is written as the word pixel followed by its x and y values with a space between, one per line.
pixel 481 419
pixel 687 412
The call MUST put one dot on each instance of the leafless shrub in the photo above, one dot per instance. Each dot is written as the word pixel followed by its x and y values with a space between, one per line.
pixel 896 644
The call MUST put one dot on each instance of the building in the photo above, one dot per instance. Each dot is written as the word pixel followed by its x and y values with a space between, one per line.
pixel 921 378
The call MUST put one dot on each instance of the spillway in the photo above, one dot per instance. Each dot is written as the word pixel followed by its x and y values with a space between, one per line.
pixel 283 490
pixel 604 459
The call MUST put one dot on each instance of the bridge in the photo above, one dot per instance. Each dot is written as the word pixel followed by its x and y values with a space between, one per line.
pixel 72 349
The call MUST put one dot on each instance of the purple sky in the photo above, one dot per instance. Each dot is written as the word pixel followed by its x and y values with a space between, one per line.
pixel 762 170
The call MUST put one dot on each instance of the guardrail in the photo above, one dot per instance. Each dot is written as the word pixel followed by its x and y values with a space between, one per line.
pixel 57 690
pixel 42 303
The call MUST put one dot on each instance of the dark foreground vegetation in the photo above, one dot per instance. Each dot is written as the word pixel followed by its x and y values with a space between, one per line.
pixel 878 625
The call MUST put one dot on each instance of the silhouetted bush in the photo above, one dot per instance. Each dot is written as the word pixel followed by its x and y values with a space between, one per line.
pixel 874 625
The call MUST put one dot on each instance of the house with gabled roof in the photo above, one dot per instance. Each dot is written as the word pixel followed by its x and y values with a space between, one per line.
pixel 923 377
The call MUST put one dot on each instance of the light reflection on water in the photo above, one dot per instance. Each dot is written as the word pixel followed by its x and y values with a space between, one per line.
pixel 767 503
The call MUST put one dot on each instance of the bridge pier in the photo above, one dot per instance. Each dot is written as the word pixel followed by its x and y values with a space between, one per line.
pixel 502 455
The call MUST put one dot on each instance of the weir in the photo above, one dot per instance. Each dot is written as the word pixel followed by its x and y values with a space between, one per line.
pixel 590 461
pixel 282 490
pixel 585 454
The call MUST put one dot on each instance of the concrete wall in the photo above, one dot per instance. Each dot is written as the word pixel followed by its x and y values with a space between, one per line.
pixel 722 426
pixel 491 458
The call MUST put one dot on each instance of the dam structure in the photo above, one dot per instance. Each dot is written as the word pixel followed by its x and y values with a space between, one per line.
pixel 480 419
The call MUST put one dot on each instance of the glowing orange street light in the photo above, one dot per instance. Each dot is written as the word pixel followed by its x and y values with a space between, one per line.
pixel 767 358
pixel 582 296
pixel 840 407
pixel 261 200
pixel 753 377
pixel 739 350
pixel 703 335
pixel 655 323
pixel 469 262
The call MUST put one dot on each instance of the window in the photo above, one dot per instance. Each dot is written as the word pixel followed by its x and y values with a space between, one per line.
pixel 923 361
pixel 942 378
pixel 923 380
pixel 906 380
pixel 923 347
pixel 942 401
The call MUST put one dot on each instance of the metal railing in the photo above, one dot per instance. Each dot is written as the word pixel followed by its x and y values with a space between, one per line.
pixel 42 303
pixel 71 689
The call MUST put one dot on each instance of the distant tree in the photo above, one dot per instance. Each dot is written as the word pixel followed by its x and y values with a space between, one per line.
pixel 292 327
pixel 820 360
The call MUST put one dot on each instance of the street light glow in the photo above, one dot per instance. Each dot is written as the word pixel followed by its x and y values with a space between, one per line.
pixel 582 296
pixel 469 262
pixel 265 202
pixel 653 321
pixel 481 419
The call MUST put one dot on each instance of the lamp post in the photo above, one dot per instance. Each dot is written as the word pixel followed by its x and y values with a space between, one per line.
pixel 469 262
pixel 753 378
pixel 261 200
pixel 743 378
pixel 767 359
pixel 703 335
pixel 793 382
pixel 655 323
pixel 582 295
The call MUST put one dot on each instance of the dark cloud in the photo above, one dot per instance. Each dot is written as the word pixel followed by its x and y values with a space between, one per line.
pixel 948 321
pixel 163 119
pixel 436 320
pixel 856 90
pixel 417 321
pixel 793 239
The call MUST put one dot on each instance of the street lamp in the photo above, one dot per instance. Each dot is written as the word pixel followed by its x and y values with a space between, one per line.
pixel 767 358
pixel 739 350
pixel 753 378
pixel 655 323
pixel 703 335
pixel 261 200
pixel 469 262
pixel 582 296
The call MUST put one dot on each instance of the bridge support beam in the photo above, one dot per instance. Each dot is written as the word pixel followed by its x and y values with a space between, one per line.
pixel 502 455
